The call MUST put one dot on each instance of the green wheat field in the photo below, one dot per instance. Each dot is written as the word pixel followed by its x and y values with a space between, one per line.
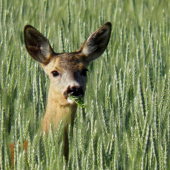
pixel 125 124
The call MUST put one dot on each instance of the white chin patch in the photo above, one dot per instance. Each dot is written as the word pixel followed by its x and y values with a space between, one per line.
pixel 70 101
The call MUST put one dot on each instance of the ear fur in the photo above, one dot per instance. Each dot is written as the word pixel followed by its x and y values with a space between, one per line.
pixel 39 48
pixel 97 42
pixel 37 45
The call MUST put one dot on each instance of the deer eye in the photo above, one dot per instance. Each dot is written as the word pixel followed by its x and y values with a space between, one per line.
pixel 55 73
pixel 84 72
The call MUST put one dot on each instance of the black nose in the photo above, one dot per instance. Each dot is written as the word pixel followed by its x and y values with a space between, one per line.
pixel 74 91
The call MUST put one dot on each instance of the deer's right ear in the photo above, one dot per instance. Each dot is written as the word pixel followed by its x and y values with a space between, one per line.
pixel 37 45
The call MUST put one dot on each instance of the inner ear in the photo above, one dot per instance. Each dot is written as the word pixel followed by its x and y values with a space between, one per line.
pixel 37 44
pixel 97 42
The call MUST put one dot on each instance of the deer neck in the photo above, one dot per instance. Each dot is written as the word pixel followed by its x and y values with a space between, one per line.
pixel 55 113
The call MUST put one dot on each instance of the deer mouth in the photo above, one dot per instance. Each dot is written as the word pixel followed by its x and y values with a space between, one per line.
pixel 75 99
pixel 74 94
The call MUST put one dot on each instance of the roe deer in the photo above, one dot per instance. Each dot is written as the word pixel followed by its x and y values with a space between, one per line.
pixel 67 73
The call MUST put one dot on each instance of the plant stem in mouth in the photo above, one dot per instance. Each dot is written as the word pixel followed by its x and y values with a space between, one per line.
pixel 77 99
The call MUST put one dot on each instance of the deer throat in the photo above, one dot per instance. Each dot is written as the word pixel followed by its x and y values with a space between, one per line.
pixel 57 113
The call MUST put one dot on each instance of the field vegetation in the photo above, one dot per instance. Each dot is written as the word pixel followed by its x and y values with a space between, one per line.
pixel 126 120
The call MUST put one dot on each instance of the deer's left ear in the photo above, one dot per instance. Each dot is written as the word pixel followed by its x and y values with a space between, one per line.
pixel 97 42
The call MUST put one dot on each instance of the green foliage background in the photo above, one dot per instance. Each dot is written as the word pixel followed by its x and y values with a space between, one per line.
pixel 126 121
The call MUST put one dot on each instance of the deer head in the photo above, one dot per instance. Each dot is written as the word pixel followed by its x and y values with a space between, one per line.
pixel 67 71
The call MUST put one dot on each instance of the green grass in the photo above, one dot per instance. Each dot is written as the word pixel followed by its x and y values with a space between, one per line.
pixel 125 124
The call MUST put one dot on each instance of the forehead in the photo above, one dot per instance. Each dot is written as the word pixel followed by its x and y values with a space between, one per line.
pixel 68 61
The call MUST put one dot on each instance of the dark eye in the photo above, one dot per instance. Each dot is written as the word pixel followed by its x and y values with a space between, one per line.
pixel 84 72
pixel 55 73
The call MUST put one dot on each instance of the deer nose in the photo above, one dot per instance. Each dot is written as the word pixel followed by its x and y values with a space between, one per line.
pixel 74 91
